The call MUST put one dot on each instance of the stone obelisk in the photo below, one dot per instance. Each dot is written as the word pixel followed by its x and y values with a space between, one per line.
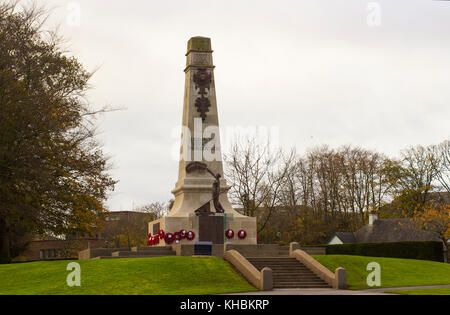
pixel 200 144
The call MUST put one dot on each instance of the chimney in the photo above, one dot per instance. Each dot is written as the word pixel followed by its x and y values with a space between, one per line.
pixel 373 216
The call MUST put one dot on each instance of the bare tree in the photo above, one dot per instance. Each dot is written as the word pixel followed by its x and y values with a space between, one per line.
pixel 442 164
pixel 419 164
pixel 155 210
pixel 256 175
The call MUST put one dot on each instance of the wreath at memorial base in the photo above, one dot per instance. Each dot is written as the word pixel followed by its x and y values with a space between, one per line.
pixel 169 238
pixel 190 235
pixel 149 239
pixel 229 234
pixel 242 234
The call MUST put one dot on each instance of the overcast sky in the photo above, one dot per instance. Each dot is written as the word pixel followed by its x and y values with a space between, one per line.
pixel 337 72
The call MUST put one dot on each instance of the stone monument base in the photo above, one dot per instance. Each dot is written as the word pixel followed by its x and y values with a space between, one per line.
pixel 207 228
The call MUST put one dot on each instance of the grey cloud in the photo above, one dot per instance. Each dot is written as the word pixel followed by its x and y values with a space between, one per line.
pixel 313 68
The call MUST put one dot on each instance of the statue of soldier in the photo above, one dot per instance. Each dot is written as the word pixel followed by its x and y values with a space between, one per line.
pixel 215 189
pixel 216 193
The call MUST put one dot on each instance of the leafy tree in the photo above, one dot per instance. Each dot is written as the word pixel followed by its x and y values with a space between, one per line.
pixel 53 175
pixel 435 218
pixel 416 177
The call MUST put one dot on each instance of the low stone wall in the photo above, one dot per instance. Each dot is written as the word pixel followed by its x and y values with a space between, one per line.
pixel 260 250
pixel 338 280
pixel 269 250
pixel 314 250
pixel 144 248
pixel 262 280
pixel 189 250
pixel 96 252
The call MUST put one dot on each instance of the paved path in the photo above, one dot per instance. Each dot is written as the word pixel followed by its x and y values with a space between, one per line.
pixel 379 291
pixel 311 292
pixel 409 288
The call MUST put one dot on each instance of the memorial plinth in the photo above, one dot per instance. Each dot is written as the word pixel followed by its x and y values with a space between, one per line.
pixel 200 144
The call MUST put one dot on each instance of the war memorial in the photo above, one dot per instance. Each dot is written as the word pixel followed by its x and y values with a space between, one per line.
pixel 201 211
pixel 202 221
pixel 340 213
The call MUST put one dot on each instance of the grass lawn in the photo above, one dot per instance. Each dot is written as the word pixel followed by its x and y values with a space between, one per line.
pixel 441 291
pixel 159 275
pixel 395 272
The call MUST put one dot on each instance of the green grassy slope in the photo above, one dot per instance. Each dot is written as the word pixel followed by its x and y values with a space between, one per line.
pixel 394 272
pixel 159 275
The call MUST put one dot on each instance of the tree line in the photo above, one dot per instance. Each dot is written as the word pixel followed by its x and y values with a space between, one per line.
pixel 308 197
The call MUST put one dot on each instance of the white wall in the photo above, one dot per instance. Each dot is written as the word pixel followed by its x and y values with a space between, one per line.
pixel 335 241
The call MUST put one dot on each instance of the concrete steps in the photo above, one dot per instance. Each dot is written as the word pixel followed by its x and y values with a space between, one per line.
pixel 289 273
pixel 315 250
pixel 300 286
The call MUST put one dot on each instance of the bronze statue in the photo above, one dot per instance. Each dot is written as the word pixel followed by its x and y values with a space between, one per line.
pixel 216 192
pixel 205 209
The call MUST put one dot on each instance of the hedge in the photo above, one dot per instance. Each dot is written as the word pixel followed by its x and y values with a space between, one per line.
pixel 413 250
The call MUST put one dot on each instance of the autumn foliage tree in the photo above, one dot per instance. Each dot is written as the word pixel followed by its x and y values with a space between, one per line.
pixel 420 176
pixel 435 218
pixel 53 174
pixel 132 230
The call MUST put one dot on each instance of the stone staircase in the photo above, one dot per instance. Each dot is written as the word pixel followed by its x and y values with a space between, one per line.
pixel 288 272
pixel 142 252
